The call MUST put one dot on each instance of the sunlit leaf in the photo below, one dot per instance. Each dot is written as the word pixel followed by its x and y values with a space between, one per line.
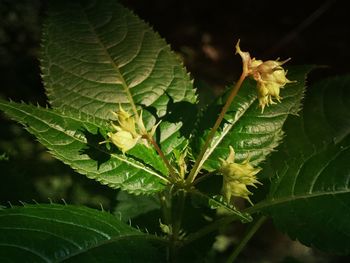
pixel 76 143
pixel 98 54
pixel 251 133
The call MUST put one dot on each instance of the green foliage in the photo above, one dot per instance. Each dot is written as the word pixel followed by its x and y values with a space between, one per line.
pixel 76 143
pixel 252 134
pixel 70 234
pixel 217 201
pixel 98 56
pixel 4 157
pixel 310 192
pixel 131 206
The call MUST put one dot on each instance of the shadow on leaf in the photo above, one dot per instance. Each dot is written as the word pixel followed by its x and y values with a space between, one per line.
pixel 182 111
pixel 94 149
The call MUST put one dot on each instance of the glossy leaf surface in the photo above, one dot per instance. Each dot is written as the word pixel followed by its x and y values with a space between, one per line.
pixel 62 233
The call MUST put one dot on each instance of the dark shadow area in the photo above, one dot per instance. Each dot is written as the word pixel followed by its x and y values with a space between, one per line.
pixel 184 112
pixel 101 152
pixel 153 111
pixel 94 142
pixel 205 121
pixel 204 33
pixel 212 112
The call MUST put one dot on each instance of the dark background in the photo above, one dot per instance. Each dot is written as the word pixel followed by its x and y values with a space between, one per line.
pixel 203 33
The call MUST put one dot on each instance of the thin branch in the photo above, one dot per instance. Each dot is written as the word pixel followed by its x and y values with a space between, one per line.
pixel 200 160
pixel 162 156
pixel 250 233
pixel 301 27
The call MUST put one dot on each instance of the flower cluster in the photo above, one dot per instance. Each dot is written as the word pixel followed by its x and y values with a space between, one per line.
pixel 125 136
pixel 129 130
pixel 270 77
pixel 236 177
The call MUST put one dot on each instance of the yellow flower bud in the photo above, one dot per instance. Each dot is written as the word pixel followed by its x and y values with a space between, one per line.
pixel 235 188
pixel 270 77
pixel 237 176
pixel 124 140
pixel 245 57
pixel 125 121
pixel 125 136
pixel 254 63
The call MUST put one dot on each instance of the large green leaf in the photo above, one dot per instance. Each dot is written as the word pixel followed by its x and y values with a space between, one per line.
pixel 57 233
pixel 310 194
pixel 98 54
pixel 76 143
pixel 131 206
pixel 218 202
pixel 251 133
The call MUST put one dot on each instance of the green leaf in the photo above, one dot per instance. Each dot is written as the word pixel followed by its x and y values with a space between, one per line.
pixel 76 143
pixel 4 157
pixel 98 54
pixel 56 233
pixel 218 202
pixel 130 206
pixel 310 193
pixel 251 133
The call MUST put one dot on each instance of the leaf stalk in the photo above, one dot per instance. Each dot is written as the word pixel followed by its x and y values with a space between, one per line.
pixel 200 159
pixel 249 234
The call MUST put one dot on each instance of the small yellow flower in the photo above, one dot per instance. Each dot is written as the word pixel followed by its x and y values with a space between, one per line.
pixel 124 140
pixel 269 75
pixel 126 122
pixel 236 177
pixel 124 136
pixel 128 131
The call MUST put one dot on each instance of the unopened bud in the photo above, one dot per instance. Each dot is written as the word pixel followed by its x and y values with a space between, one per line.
pixel 269 75
pixel 237 176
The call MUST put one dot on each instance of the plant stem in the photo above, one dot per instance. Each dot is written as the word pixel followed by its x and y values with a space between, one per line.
pixel 200 160
pixel 147 135
pixel 162 156
pixel 251 231
pixel 204 177
pixel 165 203
pixel 176 224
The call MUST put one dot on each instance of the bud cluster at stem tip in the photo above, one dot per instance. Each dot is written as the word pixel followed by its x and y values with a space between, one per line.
pixel 269 75
pixel 237 176
pixel 126 133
